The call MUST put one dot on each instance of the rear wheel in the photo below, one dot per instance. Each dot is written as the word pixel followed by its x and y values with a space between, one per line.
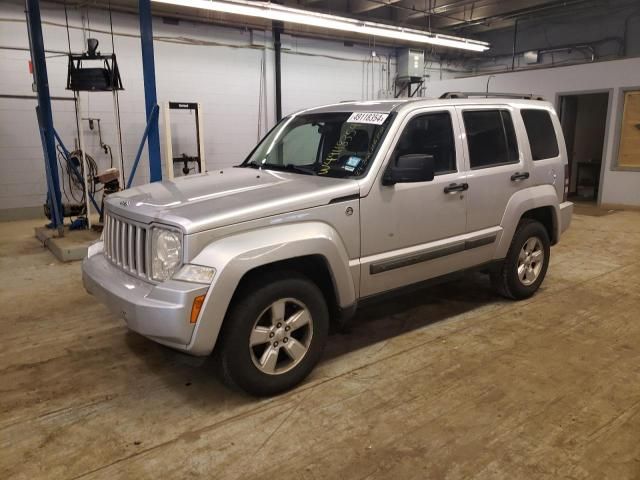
pixel 523 270
pixel 274 334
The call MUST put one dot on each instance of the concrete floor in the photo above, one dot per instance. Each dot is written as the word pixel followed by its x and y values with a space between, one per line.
pixel 445 383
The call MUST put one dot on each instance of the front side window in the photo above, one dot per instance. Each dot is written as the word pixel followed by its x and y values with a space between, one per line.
pixel 430 134
pixel 542 136
pixel 339 144
pixel 491 138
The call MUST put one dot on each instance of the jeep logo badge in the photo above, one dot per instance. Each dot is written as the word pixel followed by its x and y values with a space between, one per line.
pixel 125 203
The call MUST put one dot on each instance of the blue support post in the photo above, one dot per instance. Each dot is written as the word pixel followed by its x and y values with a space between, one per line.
pixel 53 207
pixel 150 96
pixel 153 118
pixel 45 121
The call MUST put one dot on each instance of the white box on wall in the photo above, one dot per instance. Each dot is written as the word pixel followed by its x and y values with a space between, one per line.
pixel 410 63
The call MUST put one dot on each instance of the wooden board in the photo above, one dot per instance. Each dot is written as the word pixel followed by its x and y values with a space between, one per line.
pixel 629 153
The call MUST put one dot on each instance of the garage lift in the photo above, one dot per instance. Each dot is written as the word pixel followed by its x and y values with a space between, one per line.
pixel 45 116
pixel 102 75
pixel 51 235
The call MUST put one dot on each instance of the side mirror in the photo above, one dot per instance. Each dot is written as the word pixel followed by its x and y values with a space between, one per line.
pixel 416 167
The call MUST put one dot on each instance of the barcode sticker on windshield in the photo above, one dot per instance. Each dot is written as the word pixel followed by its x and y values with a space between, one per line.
pixel 371 118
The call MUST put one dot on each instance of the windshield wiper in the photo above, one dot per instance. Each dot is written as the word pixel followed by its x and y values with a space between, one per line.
pixel 274 166
pixel 296 168
pixel 250 165
pixel 289 167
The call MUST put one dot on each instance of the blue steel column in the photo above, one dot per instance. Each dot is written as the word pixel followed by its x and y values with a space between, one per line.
pixel 150 97
pixel 36 42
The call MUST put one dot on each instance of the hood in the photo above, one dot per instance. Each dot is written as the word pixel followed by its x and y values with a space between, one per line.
pixel 224 197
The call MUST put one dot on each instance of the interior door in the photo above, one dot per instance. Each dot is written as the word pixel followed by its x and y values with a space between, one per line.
pixel 408 229
pixel 568 115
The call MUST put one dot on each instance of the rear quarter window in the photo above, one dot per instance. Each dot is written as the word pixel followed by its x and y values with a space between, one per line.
pixel 542 136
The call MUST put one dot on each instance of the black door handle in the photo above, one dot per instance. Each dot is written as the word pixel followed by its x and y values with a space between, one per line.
pixel 516 177
pixel 456 187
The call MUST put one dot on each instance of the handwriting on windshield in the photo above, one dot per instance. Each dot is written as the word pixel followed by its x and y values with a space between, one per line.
pixel 338 149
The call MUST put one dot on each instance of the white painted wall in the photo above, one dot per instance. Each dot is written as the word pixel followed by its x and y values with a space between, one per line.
pixel 216 66
pixel 617 187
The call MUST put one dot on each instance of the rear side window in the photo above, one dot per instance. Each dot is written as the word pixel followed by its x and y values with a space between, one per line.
pixel 491 138
pixel 542 136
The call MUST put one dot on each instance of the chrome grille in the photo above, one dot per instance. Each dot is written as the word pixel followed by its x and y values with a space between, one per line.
pixel 125 245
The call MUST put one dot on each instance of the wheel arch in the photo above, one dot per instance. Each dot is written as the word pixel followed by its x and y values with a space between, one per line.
pixel 538 203
pixel 547 217
pixel 314 266
pixel 311 248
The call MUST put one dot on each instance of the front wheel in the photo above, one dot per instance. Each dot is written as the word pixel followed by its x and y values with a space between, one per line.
pixel 523 270
pixel 274 334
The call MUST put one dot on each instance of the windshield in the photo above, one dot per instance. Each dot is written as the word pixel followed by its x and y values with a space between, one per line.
pixel 338 144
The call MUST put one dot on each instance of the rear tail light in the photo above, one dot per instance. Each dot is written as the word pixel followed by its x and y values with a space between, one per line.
pixel 566 183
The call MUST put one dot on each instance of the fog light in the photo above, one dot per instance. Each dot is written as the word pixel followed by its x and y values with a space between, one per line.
pixel 197 306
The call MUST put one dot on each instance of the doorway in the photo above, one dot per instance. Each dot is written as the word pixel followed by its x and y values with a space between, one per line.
pixel 584 121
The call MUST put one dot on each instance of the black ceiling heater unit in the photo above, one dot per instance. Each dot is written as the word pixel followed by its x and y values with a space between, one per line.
pixel 94 78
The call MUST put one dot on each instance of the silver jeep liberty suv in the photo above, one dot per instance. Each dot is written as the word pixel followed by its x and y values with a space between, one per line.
pixel 336 204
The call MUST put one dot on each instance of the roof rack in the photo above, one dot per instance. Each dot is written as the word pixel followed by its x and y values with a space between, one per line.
pixel 524 96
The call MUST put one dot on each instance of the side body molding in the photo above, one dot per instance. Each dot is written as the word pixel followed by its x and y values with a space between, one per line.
pixel 519 203
pixel 236 255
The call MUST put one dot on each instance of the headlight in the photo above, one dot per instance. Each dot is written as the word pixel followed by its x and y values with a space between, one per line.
pixel 166 248
pixel 195 274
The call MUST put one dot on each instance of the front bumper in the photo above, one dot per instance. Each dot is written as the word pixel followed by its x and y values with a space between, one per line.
pixel 160 312
pixel 566 213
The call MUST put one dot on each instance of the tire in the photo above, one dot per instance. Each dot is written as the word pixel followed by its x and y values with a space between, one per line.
pixel 256 317
pixel 530 235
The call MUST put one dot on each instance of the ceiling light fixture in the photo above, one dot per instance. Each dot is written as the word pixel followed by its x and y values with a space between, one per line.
pixel 272 11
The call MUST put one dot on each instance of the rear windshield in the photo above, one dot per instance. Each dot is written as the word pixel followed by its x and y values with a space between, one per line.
pixel 338 144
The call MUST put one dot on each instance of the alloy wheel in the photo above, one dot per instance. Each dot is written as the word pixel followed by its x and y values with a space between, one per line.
pixel 281 336
pixel 530 261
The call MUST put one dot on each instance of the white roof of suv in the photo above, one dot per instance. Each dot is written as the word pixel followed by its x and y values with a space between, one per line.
pixel 388 106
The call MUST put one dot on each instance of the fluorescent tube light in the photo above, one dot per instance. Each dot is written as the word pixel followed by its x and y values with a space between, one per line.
pixel 272 11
